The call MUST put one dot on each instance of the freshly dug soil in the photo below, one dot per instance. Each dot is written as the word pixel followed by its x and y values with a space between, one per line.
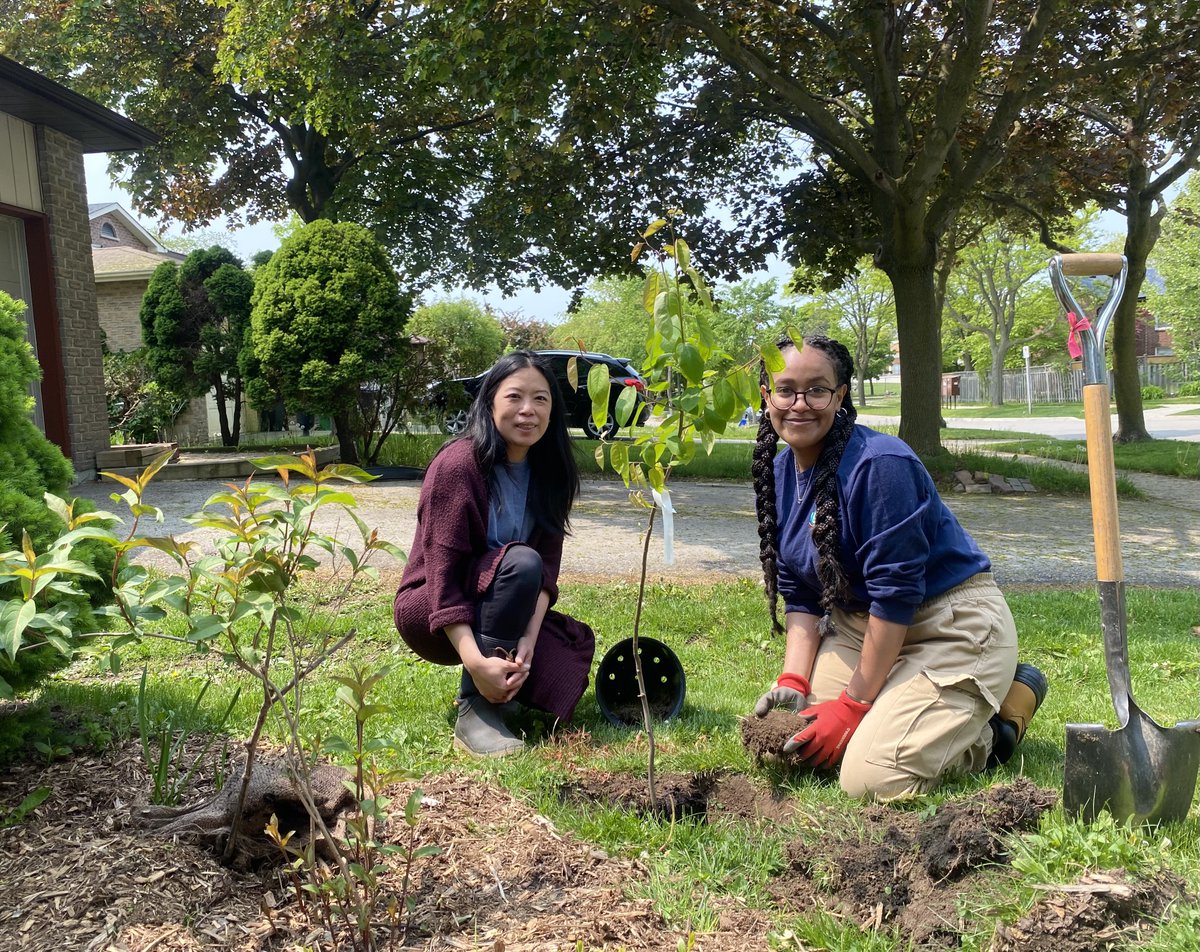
pixel 76 876
pixel 886 866
pixel 678 795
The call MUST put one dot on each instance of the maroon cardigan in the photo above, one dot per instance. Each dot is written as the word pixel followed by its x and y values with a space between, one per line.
pixel 450 566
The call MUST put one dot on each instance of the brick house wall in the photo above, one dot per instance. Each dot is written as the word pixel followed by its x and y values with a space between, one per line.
pixel 119 303
pixel 125 235
pixel 64 190
pixel 191 426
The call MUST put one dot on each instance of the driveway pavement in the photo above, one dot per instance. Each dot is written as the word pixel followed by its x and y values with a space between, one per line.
pixel 1031 539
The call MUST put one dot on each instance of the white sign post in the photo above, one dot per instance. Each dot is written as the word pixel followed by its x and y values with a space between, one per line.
pixel 1028 381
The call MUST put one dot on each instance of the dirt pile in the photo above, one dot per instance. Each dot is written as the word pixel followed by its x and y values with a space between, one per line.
pixel 76 876
pixel 886 867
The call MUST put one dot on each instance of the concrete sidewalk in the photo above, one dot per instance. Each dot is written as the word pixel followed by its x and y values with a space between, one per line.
pixel 1163 423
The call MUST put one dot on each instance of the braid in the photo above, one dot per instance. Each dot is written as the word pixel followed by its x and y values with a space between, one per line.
pixel 763 470
pixel 835 586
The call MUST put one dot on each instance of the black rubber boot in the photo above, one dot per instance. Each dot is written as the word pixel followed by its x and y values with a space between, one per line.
pixel 1028 690
pixel 480 730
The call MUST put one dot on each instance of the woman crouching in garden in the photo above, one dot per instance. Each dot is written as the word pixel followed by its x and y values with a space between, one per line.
pixel 482 572
pixel 900 647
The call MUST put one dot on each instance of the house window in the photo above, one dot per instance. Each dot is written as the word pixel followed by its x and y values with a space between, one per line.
pixel 108 231
pixel 14 280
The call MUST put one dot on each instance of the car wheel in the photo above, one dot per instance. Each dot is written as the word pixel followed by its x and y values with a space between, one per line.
pixel 609 431
pixel 454 422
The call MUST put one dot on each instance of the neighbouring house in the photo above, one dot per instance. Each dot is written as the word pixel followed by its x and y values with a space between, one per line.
pixel 46 246
pixel 124 256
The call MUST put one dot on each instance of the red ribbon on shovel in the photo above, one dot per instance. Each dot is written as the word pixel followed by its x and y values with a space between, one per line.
pixel 1077 324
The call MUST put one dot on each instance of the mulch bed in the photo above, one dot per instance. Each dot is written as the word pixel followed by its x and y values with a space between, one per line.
pixel 75 874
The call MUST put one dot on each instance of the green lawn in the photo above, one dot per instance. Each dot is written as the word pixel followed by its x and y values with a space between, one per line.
pixel 721 636
pixel 1164 457
pixel 1013 410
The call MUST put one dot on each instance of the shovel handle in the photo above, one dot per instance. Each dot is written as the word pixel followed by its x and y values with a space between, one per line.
pixel 1092 263
pixel 1102 475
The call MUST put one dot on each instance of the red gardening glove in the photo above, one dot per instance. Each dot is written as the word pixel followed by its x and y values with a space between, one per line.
pixel 825 739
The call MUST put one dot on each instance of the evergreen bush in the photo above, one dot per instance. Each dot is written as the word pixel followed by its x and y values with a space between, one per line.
pixel 31 466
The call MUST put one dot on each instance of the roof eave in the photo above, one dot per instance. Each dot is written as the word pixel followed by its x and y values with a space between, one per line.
pixel 40 101
pixel 104 277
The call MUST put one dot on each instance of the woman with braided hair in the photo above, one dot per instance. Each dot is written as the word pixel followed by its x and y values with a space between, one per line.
pixel 900 648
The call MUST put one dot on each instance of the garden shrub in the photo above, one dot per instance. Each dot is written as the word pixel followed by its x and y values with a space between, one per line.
pixel 31 466
pixel 1190 389
pixel 139 409
pixel 1151 392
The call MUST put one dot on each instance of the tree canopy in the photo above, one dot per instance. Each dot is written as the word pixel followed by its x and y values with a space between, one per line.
pixel 1142 126
pixel 1000 301
pixel 463 338
pixel 904 114
pixel 1175 259
pixel 505 151
pixel 327 318
pixel 194 318
pixel 609 319
pixel 862 315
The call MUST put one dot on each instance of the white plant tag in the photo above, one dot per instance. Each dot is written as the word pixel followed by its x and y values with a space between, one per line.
pixel 663 501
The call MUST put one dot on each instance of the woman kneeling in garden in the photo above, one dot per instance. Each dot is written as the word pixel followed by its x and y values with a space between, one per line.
pixel 483 569
pixel 900 647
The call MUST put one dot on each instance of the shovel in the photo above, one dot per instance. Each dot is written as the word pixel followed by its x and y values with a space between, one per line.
pixel 1141 772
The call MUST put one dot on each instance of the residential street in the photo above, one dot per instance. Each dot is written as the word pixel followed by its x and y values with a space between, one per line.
pixel 1034 539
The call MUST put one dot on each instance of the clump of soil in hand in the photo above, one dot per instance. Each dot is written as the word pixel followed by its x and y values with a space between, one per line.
pixel 764 737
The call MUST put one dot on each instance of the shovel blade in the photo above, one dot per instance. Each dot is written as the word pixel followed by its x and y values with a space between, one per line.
pixel 1142 772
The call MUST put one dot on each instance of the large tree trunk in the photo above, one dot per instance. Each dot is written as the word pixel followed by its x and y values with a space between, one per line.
pixel 237 411
pixel 347 446
pixel 910 263
pixel 1127 384
pixel 1142 227
pixel 920 362
pixel 227 438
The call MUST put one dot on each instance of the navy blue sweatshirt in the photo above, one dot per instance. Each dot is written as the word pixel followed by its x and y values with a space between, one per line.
pixel 900 545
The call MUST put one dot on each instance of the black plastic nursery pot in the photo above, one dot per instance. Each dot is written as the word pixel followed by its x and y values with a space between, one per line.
pixel 395 472
pixel 617 687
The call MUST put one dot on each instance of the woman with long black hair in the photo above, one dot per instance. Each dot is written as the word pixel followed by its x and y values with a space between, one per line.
pixel 900 648
pixel 482 573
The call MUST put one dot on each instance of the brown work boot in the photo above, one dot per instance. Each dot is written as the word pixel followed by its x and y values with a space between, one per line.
pixel 1028 690
pixel 480 730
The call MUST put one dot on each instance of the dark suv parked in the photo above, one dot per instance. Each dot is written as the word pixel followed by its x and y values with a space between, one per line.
pixel 453 396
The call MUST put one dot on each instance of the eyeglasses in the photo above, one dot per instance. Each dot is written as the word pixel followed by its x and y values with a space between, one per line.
pixel 784 398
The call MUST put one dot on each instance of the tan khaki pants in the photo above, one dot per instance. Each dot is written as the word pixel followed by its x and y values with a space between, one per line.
pixel 931 718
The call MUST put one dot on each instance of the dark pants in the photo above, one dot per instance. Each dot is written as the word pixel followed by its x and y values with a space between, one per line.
pixel 503 612
pixel 565 645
